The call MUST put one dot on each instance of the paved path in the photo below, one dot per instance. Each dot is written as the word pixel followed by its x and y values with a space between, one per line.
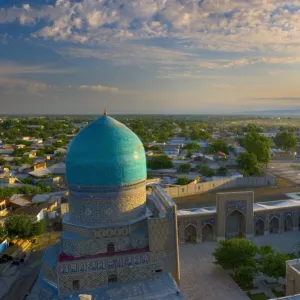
pixel 285 170
pixel 201 279
pixel 27 275
pixel 284 242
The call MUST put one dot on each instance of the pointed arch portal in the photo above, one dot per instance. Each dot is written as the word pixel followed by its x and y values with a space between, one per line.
pixel 207 232
pixel 190 234
pixel 235 224
pixel 260 227
pixel 274 225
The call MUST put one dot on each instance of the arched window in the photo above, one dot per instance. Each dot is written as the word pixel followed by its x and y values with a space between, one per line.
pixel 112 278
pixel 111 247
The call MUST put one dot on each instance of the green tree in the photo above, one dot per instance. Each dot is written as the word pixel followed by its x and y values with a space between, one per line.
pixel 286 140
pixel 40 153
pixel 200 135
pixel 235 253
pixel 206 171
pixel 189 154
pixel 218 146
pixel 27 180
pixel 192 146
pixel 160 162
pixel 182 181
pixel 154 148
pixel 39 228
pixel 249 164
pixel 185 168
pixel 259 145
pixel 2 161
pixel 49 150
pixel 3 233
pixel 245 275
pixel 19 225
pixel 273 264
pixel 251 128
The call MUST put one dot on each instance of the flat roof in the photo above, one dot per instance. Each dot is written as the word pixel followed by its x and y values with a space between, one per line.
pixel 259 206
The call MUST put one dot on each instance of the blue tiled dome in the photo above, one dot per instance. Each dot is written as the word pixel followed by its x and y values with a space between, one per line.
pixel 105 153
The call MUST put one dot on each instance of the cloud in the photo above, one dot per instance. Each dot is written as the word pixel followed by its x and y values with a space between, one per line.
pixel 12 68
pixel 296 99
pixel 224 25
pixel 20 86
pixel 100 88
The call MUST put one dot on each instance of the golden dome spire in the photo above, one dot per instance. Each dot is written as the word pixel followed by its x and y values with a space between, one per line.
pixel 105 112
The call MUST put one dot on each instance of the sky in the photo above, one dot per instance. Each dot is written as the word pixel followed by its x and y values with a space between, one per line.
pixel 149 56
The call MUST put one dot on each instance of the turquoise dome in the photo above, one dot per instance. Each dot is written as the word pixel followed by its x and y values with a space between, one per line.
pixel 105 153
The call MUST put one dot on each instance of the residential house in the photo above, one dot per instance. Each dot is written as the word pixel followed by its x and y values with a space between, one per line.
pixel 19 200
pixel 171 150
pixel 31 154
pixel 270 134
pixel 4 208
pixel 36 211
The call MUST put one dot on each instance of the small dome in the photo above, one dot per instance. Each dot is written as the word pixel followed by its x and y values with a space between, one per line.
pixel 105 153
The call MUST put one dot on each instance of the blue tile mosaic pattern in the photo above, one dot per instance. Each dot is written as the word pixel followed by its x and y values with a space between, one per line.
pixel 105 153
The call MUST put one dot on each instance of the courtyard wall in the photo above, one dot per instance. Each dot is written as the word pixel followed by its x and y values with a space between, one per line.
pixel 203 187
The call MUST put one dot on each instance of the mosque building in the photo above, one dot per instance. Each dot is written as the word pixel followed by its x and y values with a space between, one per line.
pixel 117 241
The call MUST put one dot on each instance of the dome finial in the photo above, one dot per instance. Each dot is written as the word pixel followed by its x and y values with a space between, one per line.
pixel 105 112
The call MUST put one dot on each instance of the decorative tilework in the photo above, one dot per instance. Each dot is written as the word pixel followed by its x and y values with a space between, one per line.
pixel 50 274
pixel 289 213
pixel 159 237
pixel 277 215
pixel 259 216
pixel 233 205
pixel 192 222
pixel 208 221
pixel 103 208
pixel 110 152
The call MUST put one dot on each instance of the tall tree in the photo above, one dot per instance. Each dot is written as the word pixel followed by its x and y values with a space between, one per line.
pixel 218 146
pixel 286 140
pixel 249 164
pixel 192 146
pixel 273 264
pixel 182 181
pixel 235 253
pixel 19 225
pixel 259 145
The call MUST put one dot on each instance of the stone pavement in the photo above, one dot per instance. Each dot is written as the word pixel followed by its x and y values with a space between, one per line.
pixel 201 279
pixel 7 278
pixel 284 242
pixel 284 169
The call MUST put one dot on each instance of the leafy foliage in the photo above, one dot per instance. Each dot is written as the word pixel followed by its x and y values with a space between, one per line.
pixel 19 225
pixel 218 146
pixel 235 253
pixel 206 171
pixel 39 228
pixel 286 140
pixel 3 233
pixel 192 146
pixel 258 145
pixel 182 181
pixel 244 275
pixel 160 162
pixel 7 192
pixel 185 168
pixel 249 164
pixel 273 264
